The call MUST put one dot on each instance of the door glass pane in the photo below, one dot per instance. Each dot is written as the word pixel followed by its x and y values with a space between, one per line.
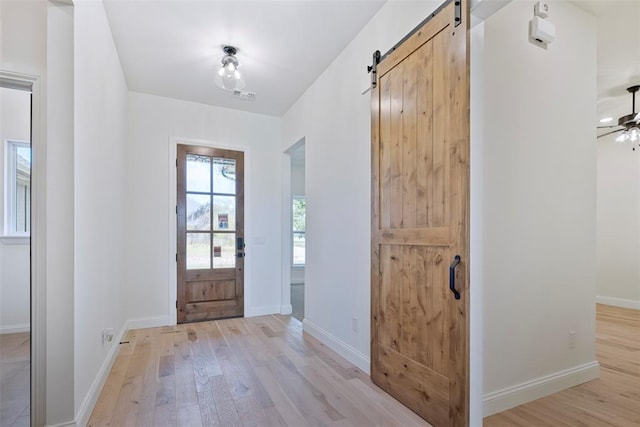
pixel 224 250
pixel 198 212
pixel 198 250
pixel 224 212
pixel 198 173
pixel 224 175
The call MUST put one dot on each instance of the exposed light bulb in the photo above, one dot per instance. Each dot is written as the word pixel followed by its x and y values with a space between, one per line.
pixel 634 134
pixel 229 83
pixel 622 137
pixel 228 76
pixel 230 67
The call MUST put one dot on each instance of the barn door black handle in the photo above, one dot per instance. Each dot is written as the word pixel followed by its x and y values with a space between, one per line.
pixel 452 276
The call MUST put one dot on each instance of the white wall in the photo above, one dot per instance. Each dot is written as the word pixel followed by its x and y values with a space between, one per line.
pixel 476 287
pixel 15 116
pixel 152 121
pixel 27 55
pixel 618 224
pixel 334 119
pixel 297 179
pixel 539 205
pixel 43 52
pixel 14 288
pixel 59 194
pixel 100 186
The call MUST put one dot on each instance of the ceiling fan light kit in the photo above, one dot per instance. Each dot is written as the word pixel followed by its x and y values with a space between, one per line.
pixel 630 124
pixel 228 76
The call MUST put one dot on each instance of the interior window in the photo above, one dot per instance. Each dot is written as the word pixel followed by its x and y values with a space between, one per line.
pixel 18 194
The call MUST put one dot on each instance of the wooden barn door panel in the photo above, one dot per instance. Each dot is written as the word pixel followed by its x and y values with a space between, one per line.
pixel 420 168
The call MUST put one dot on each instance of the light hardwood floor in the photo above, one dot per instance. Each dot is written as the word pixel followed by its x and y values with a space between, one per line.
pixel 611 400
pixel 263 371
pixel 259 371
pixel 14 379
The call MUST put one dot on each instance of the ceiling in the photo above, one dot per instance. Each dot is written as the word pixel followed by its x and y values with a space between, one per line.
pixel 173 48
pixel 618 54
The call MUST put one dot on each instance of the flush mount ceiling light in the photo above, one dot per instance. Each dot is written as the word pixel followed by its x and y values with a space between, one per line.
pixel 228 77
pixel 630 124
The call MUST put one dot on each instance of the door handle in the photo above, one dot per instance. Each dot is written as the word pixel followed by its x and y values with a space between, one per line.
pixel 452 276
pixel 240 247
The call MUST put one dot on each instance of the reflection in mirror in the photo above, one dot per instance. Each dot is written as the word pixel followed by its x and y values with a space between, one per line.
pixel 15 263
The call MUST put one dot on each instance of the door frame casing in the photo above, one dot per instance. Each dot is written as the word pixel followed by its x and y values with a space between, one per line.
pixel 287 221
pixel 37 247
pixel 172 316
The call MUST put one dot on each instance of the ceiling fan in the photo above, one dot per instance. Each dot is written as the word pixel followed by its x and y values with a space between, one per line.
pixel 629 125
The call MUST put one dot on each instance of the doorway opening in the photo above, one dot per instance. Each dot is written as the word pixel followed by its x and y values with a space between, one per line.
pixel 15 253
pixel 298 230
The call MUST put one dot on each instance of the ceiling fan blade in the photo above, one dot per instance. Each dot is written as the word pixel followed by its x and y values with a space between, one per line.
pixel 607 127
pixel 609 133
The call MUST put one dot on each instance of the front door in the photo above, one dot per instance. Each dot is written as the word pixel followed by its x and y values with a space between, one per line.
pixel 420 220
pixel 210 228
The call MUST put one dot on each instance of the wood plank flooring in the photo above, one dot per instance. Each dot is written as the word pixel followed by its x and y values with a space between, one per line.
pixel 611 400
pixel 259 371
pixel 14 379
pixel 263 371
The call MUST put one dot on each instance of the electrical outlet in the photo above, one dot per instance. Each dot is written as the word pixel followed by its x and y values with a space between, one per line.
pixel 354 324
pixel 572 340
pixel 107 335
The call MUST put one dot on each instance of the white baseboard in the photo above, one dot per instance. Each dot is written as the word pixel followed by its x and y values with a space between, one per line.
pixel 519 394
pixel 261 311
pixel 343 349
pixel 147 322
pixel 619 302
pixel 67 424
pixel 89 402
pixel 286 309
pixel 14 329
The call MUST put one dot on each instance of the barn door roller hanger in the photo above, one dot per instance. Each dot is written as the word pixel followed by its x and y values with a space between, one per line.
pixel 377 57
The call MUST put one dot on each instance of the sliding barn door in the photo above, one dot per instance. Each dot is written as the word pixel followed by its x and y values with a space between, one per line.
pixel 420 220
